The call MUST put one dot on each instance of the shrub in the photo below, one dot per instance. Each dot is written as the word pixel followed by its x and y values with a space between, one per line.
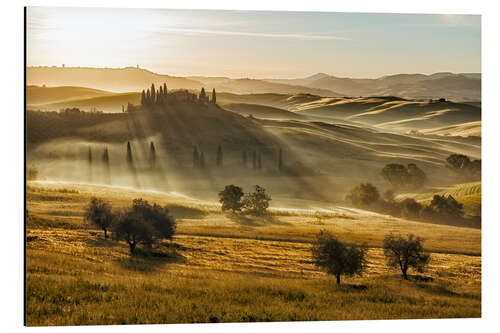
pixel 99 213
pixel 144 224
pixel 230 198
pixel 336 257
pixel 256 203
pixel 410 208
pixel 405 253
pixel 363 195
pixel 32 173
pixel 463 167
pixel 444 207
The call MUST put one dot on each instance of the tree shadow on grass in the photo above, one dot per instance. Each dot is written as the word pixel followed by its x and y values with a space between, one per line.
pixel 150 260
pixel 347 288
pixel 100 241
pixel 256 221
pixel 440 290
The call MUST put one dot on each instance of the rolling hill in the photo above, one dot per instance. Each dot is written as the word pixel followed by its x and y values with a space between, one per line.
pixel 390 113
pixel 456 87
pixel 262 111
pixel 131 79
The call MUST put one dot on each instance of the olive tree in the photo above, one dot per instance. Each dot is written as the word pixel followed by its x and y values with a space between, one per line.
pixel 405 253
pixel 98 212
pixel 256 203
pixel 143 223
pixel 230 198
pixel 337 258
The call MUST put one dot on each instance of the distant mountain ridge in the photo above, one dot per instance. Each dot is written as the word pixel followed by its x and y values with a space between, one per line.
pixel 133 79
pixel 452 86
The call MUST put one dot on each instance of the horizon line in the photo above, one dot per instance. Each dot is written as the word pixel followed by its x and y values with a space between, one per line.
pixel 247 77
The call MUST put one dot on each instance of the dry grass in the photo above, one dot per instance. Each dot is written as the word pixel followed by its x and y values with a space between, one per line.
pixel 226 268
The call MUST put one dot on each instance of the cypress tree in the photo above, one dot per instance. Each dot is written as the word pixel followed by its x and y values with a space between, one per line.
pixel 105 156
pixel 129 153
pixel 280 161
pixel 259 162
pixel 153 93
pixel 203 95
pixel 254 160
pixel 214 97
pixel 89 159
pixel 105 161
pixel 219 156
pixel 152 154
pixel 244 158
pixel 165 89
pixel 148 98
pixel 143 98
pixel 196 157
pixel 90 156
pixel 202 160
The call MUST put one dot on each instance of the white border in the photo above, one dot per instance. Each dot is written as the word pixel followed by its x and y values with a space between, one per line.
pixel 11 84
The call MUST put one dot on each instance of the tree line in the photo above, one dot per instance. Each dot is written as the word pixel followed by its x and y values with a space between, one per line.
pixel 412 177
pixel 440 209
pixel 152 97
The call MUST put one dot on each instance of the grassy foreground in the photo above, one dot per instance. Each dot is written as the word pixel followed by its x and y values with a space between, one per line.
pixel 223 269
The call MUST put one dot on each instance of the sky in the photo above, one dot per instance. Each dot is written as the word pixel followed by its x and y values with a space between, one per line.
pixel 254 44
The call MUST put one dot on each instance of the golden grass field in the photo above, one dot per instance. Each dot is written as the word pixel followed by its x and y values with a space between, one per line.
pixel 230 269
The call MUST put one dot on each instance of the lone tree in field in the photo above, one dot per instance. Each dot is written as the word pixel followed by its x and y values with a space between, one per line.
pixel 219 156
pixel 336 257
pixel 256 203
pixel 405 253
pixel 144 224
pixel 230 198
pixel 98 212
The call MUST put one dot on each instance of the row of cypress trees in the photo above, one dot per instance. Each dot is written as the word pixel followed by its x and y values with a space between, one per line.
pixel 153 96
pixel 198 157
pixel 129 157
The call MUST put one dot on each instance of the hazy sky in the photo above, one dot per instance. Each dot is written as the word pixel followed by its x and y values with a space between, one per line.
pixel 254 44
